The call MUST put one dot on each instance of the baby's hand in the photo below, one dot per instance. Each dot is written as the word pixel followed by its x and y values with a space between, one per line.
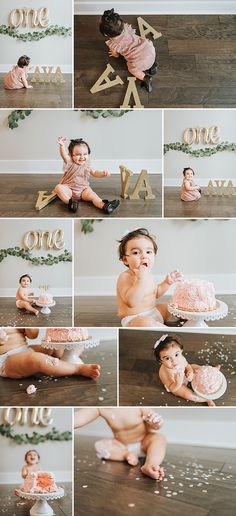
pixel 153 419
pixel 106 173
pixel 141 272
pixel 61 140
pixel 189 376
pixel 113 53
pixel 173 276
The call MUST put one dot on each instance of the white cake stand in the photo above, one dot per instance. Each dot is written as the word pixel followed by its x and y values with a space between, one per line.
pixel 45 309
pixel 197 319
pixel 214 396
pixel 71 348
pixel 41 506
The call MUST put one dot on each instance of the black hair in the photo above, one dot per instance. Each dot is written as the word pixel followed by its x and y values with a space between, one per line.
pixel 111 24
pixel 188 168
pixel 30 451
pixel 78 141
pixel 23 61
pixel 165 344
pixel 136 233
pixel 25 276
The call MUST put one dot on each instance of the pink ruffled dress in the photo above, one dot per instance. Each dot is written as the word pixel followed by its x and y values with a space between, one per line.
pixel 76 177
pixel 13 79
pixel 139 52
pixel 189 195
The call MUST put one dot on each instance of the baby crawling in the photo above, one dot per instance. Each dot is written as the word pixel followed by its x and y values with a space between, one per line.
pixel 175 373
pixel 134 436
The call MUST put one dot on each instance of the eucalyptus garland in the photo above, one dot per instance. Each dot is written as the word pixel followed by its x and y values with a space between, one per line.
pixel 87 225
pixel 105 113
pixel 52 30
pixel 66 256
pixel 16 115
pixel 35 437
pixel 199 153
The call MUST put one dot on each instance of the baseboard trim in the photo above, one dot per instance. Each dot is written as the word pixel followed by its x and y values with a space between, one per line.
pixel 106 285
pixel 153 166
pixel 56 292
pixel 157 7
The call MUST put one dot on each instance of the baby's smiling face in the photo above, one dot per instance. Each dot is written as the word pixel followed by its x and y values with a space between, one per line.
pixel 171 357
pixel 32 458
pixel 188 174
pixel 80 154
pixel 139 252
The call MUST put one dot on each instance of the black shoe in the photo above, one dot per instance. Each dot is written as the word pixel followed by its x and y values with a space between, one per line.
pixel 147 83
pixel 153 69
pixel 110 206
pixel 200 190
pixel 73 205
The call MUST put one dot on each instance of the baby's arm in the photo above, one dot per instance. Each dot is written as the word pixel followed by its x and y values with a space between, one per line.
pixel 189 187
pixel 170 278
pixel 85 416
pixel 24 472
pixel 132 288
pixel 63 153
pixel 188 372
pixel 22 294
pixel 100 173
pixel 25 82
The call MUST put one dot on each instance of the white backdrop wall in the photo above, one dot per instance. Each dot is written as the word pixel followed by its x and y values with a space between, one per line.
pixel 52 50
pixel 190 426
pixel 55 456
pixel 200 249
pixel 156 6
pixel 133 140
pixel 58 276
pixel 221 165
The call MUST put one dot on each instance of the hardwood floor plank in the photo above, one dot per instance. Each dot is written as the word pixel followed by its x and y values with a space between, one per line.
pixel 61 314
pixel 206 207
pixel 40 96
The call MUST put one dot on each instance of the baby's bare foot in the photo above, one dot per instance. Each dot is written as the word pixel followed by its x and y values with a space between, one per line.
pixel 36 312
pixel 155 472
pixel 132 459
pixel 90 370
pixel 211 403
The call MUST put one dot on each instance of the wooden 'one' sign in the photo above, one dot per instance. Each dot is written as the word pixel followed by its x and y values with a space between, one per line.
pixel 29 17
pixel 201 135
pixel 39 416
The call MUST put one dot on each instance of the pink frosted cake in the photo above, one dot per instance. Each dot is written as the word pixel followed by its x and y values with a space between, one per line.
pixel 207 380
pixel 45 299
pixel 194 296
pixel 39 482
pixel 66 335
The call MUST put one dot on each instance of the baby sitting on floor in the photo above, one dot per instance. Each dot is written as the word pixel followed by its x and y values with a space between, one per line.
pixel 175 373
pixel 19 360
pixel 24 299
pixel 134 436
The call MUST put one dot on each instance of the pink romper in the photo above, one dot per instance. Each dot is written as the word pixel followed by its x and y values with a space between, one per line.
pixel 76 177
pixel 189 195
pixel 13 79
pixel 139 52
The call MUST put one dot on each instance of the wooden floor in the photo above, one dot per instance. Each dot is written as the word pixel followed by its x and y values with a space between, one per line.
pixel 102 310
pixel 199 481
pixel 68 391
pixel 138 369
pixel 11 505
pixel 207 206
pixel 61 314
pixel 197 64
pixel 19 193
pixel 40 96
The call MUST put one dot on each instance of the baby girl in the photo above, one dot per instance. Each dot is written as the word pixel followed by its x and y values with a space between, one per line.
pixel 189 190
pixel 137 289
pixel 138 52
pixel 175 373
pixel 18 360
pixel 17 77
pixel 23 300
pixel 74 184
pixel 134 436
pixel 32 459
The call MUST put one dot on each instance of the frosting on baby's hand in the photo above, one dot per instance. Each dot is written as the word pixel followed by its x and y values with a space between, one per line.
pixel 174 276
pixel 153 418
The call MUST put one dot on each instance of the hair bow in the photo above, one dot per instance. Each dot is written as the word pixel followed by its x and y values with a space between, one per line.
pixel 163 337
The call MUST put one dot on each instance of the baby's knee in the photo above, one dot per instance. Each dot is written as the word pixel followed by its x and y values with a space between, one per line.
pixel 103 448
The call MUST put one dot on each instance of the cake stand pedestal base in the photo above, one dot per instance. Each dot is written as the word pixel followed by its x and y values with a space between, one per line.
pixel 198 319
pixel 41 506
pixel 45 309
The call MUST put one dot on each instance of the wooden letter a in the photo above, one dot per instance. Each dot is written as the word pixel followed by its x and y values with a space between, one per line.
pixel 37 77
pixel 131 90
pixel 142 184
pixel 44 199
pixel 104 82
pixel 125 176
pixel 145 29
